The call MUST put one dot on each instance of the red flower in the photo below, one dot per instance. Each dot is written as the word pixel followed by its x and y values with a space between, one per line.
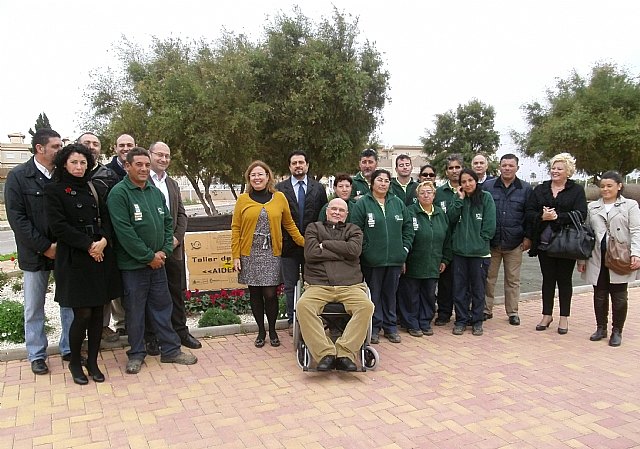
pixel 13 259
pixel 67 190
pixel 187 294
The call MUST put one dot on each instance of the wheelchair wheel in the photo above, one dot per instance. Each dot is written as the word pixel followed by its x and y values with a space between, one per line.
pixel 300 355
pixel 371 358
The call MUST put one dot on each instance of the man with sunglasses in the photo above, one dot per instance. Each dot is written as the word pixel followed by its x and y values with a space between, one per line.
pixel 403 186
pixel 445 194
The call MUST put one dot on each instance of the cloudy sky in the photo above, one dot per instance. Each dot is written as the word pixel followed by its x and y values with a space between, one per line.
pixel 439 53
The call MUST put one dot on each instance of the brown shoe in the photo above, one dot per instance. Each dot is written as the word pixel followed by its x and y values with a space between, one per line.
pixel 110 335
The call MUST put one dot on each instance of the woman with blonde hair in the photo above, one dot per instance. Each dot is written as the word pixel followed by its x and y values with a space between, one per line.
pixel 547 211
pixel 617 217
pixel 256 244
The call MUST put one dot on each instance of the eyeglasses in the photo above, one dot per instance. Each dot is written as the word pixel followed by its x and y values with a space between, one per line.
pixel 162 155
pixel 428 175
pixel 257 175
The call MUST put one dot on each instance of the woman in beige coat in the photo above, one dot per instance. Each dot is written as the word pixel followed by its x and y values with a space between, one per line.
pixel 623 219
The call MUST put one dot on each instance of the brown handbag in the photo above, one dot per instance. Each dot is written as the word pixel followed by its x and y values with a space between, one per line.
pixel 618 255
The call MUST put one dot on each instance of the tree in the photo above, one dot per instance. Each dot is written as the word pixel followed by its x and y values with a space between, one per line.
pixel 597 120
pixel 467 131
pixel 324 91
pixel 41 122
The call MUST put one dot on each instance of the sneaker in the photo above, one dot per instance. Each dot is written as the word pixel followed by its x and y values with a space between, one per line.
pixel 458 330
pixel 375 339
pixel 393 337
pixel 415 332
pixel 181 358
pixel 134 366
pixel 428 332
pixel 109 335
pixel 477 330
pixel 39 367
pixel 122 331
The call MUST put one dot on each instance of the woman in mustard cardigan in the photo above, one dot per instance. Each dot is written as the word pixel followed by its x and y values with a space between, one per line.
pixel 256 244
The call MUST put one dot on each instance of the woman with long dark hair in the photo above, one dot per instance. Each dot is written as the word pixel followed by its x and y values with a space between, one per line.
pixel 472 215
pixel 617 217
pixel 79 220
pixel 256 244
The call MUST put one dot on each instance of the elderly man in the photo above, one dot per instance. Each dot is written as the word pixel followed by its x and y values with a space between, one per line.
pixel 144 229
pixel 332 274
pixel 480 165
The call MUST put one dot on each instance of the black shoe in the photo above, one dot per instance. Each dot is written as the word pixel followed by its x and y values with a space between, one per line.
pixel 514 320
pixel 345 364
pixel 563 330
pixel 190 342
pixel 599 334
pixel 326 363
pixel 488 316
pixel 96 374
pixel 477 330
pixel 543 327
pixel 39 367
pixel 442 321
pixel 616 337
pixel 375 339
pixel 415 332
pixel 122 331
pixel 67 358
pixel 152 347
pixel 77 373
pixel 259 343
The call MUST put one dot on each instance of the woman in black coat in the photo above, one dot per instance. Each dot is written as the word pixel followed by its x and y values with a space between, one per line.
pixel 84 263
pixel 547 211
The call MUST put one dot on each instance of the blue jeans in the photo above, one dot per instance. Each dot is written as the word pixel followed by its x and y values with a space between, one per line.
pixel 35 290
pixel 469 279
pixel 383 286
pixel 289 267
pixel 146 292
pixel 417 301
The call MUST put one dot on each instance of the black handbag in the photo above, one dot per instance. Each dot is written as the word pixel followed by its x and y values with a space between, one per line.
pixel 574 241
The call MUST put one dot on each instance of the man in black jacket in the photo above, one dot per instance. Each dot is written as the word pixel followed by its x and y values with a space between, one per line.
pixel 104 178
pixel 24 201
pixel 306 198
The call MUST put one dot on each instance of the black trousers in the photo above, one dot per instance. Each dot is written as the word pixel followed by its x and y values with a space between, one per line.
pixel 445 293
pixel 556 272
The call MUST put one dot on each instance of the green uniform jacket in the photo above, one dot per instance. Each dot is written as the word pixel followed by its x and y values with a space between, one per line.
pixel 431 243
pixel 472 227
pixel 387 236
pixel 323 212
pixel 360 185
pixel 408 196
pixel 142 223
pixel 444 196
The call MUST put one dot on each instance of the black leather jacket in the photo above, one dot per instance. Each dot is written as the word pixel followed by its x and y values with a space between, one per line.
pixel 24 201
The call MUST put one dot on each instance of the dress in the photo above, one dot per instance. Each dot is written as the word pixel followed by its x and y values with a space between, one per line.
pixel 261 268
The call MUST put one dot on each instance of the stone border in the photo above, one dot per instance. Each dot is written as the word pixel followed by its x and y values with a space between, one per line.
pixel 233 329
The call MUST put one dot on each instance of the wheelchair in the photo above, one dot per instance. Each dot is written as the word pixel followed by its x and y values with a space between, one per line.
pixel 335 319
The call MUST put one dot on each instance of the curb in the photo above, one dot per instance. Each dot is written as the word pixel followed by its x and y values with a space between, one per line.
pixel 249 328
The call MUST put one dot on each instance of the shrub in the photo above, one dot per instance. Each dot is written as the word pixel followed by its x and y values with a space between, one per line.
pixel 4 279
pixel 236 301
pixel 218 317
pixel 16 287
pixel 11 321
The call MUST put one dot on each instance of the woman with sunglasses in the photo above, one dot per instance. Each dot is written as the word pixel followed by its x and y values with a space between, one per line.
pixel 427 173
pixel 388 234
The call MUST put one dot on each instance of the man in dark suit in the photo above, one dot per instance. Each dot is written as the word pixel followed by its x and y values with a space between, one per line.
pixel 306 197
pixel 124 143
pixel 174 264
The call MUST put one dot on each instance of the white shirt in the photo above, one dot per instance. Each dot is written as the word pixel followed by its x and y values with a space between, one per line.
pixel 295 182
pixel 162 185
pixel 42 169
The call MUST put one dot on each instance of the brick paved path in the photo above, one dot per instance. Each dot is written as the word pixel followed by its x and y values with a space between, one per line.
pixel 513 387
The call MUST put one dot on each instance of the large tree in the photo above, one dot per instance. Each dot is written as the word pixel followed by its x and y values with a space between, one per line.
pixel 468 130
pixel 596 119
pixel 42 122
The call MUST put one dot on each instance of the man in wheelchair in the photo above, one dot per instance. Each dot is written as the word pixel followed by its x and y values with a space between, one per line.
pixel 332 274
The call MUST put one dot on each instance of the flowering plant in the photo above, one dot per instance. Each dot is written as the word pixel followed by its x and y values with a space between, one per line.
pixel 236 301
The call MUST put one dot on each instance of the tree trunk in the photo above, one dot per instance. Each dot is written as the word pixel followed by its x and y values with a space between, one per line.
pixel 196 187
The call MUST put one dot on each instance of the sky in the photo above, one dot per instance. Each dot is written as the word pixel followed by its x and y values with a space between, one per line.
pixel 439 53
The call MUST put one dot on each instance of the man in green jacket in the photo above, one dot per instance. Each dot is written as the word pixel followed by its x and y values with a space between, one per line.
pixel 361 182
pixel 144 232
pixel 403 186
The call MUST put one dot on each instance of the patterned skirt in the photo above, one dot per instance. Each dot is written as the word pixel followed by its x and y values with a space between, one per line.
pixel 261 268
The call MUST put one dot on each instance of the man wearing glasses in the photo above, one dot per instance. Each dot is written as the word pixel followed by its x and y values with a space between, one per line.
pixel 445 194
pixel 403 186
pixel 368 164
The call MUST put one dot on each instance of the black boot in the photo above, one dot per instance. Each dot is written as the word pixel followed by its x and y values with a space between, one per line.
pixel 601 309
pixel 616 337
pixel 599 334
pixel 619 305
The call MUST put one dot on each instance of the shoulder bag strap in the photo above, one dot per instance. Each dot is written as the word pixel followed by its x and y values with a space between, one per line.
pixel 95 196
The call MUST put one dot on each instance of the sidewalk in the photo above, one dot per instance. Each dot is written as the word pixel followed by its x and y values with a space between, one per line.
pixel 511 388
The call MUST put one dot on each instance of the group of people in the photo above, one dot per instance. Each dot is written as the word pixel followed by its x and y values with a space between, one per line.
pixel 424 251
pixel 113 236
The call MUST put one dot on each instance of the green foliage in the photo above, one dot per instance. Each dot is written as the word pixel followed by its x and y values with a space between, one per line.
pixel 16 286
pixel 41 122
pixel 11 321
pixel 219 105
pixel 468 130
pixel 4 279
pixel 9 256
pixel 595 119
pixel 218 317
pixel 236 301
